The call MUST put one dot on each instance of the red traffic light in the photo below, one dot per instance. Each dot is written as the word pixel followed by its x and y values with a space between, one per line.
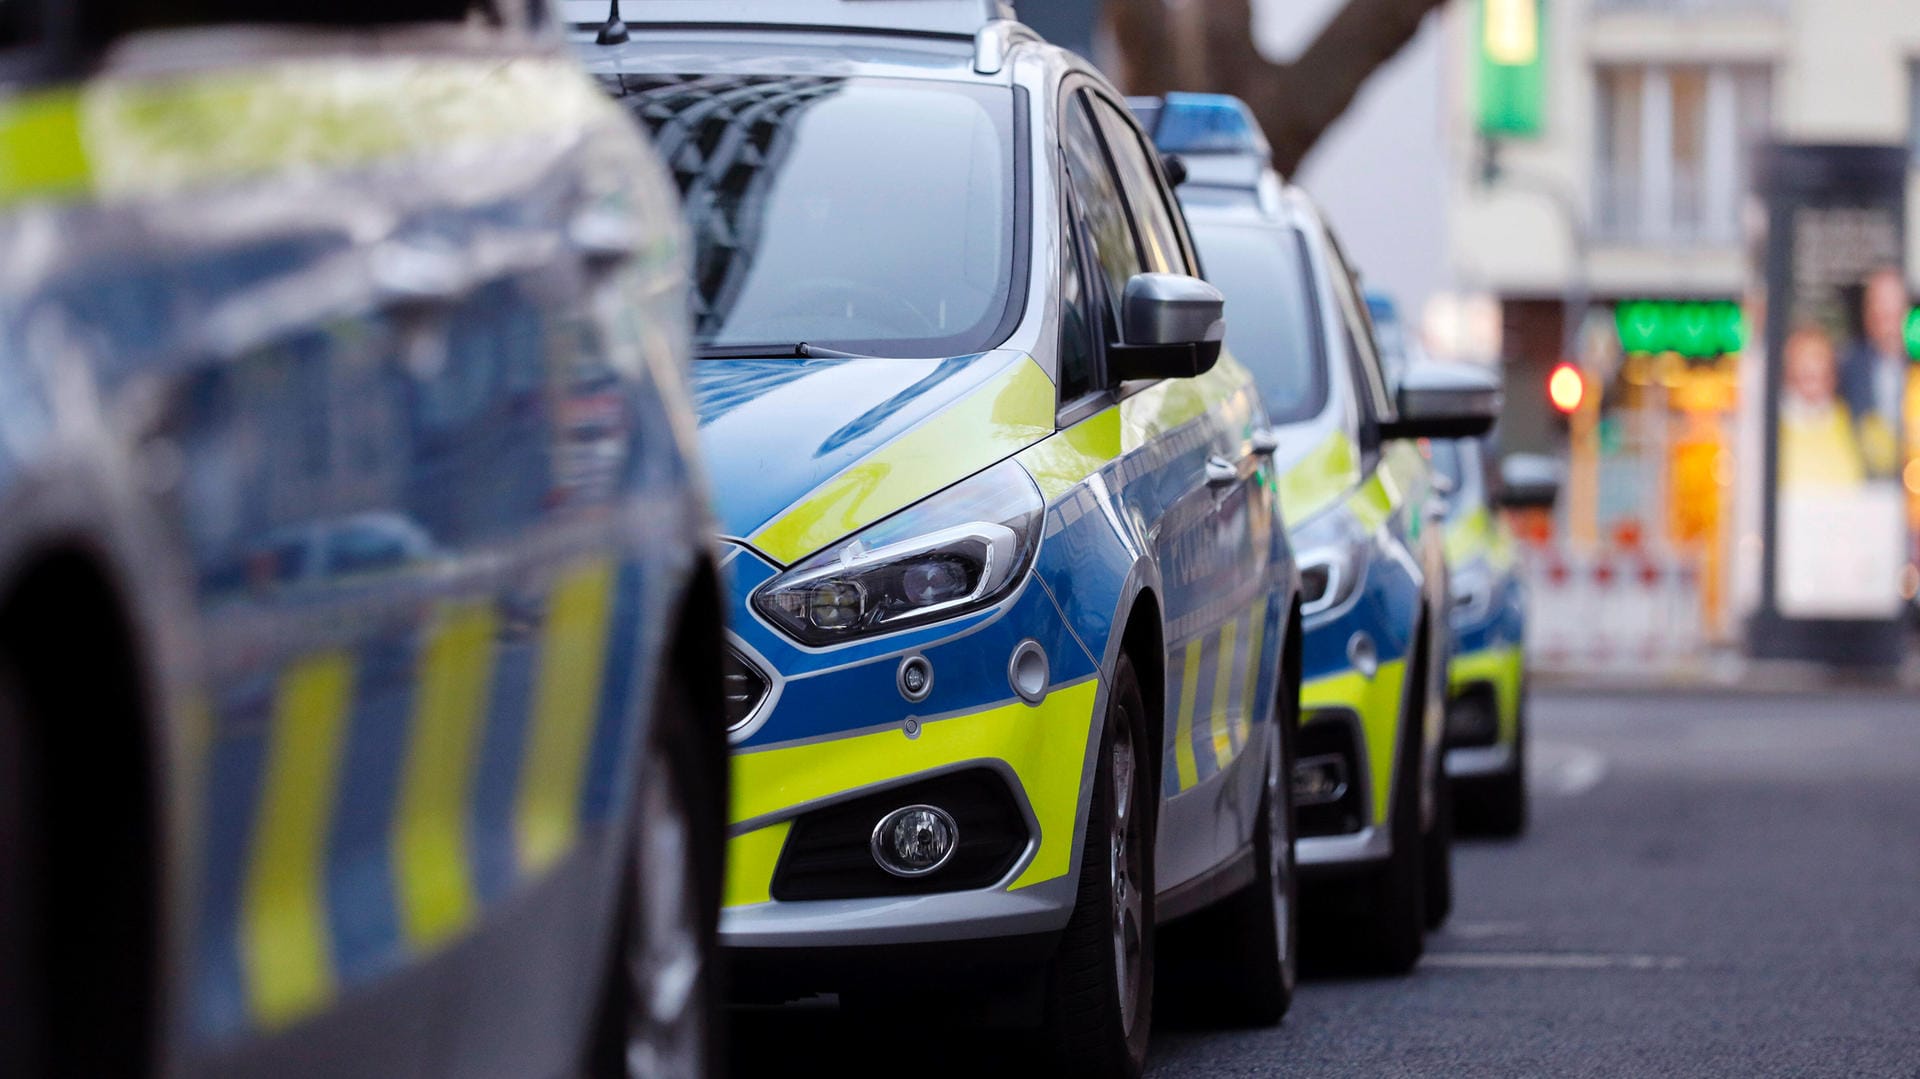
pixel 1566 388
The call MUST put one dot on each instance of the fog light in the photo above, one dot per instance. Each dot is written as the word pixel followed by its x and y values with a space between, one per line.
pixel 1471 721
pixel 915 840
pixel 1319 781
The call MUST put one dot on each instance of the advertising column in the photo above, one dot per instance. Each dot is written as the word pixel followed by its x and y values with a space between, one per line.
pixel 1834 307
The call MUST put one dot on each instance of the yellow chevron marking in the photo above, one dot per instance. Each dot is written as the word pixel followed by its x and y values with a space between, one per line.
pixel 565 702
pixel 285 945
pixel 751 859
pixel 430 845
pixel 1224 716
pixel 1249 705
pixel 1189 770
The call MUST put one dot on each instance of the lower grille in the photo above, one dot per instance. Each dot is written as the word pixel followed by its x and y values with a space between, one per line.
pixel 1334 734
pixel 1473 719
pixel 829 856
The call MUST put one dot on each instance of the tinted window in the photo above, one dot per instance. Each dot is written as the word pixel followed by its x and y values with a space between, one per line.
pixel 1114 247
pixel 1271 324
pixel 1359 335
pixel 868 215
pixel 1077 324
pixel 1138 175
pixel 17 23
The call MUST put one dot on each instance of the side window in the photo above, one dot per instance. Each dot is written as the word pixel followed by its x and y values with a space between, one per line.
pixel 20 24
pixel 1108 229
pixel 1359 334
pixel 1076 322
pixel 1146 192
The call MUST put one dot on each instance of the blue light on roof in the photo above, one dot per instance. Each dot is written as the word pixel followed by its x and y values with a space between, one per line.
pixel 1208 124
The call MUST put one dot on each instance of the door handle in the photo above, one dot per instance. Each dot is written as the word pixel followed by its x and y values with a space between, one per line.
pixel 1266 442
pixel 1221 472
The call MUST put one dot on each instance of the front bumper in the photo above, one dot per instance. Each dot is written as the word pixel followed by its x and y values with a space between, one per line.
pixel 840 729
pixel 1500 670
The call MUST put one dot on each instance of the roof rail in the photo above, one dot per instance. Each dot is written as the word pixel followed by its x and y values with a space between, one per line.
pixel 939 18
pixel 996 39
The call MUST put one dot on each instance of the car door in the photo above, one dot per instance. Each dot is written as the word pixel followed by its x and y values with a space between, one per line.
pixel 1212 522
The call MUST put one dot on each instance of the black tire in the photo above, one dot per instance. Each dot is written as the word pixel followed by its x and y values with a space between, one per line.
pixel 1497 805
pixel 23 1029
pixel 1089 1027
pixel 1258 930
pixel 661 1007
pixel 1439 855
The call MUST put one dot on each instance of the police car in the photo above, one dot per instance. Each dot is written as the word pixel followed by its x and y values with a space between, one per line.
pixel 1015 638
pixel 360 663
pixel 1360 505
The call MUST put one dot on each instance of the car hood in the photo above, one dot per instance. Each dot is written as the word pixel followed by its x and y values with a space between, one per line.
pixel 803 452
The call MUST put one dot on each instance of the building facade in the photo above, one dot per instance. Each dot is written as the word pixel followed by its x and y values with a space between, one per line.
pixel 1630 200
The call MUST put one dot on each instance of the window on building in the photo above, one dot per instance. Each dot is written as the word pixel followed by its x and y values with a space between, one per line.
pixel 1674 143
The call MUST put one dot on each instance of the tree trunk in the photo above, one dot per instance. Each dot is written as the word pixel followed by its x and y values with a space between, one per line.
pixel 1296 102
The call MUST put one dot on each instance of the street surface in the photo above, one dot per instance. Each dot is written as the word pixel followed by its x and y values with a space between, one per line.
pixel 1714 885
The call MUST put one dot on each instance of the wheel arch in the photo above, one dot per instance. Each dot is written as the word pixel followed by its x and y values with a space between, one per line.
pixel 68 625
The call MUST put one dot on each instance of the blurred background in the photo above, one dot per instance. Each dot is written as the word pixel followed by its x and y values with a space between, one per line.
pixel 1607 190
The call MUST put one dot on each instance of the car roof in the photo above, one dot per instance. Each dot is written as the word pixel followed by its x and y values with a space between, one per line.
pixel 951 18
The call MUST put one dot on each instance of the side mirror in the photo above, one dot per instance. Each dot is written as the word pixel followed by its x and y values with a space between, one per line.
pixel 1171 326
pixel 1445 400
pixel 1529 481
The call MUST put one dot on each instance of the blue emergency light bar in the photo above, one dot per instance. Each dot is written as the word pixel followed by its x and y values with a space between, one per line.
pixel 1197 124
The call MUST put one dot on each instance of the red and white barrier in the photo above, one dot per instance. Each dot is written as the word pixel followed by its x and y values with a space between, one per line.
pixel 1615 610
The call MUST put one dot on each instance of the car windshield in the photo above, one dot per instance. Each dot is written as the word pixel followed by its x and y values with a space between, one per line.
pixel 1271 326
pixel 1460 463
pixel 868 216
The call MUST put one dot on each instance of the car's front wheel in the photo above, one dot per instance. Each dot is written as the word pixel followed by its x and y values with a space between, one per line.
pixel 1099 1006
pixel 660 1010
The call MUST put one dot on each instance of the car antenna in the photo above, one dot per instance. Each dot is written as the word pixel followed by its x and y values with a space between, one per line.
pixel 615 30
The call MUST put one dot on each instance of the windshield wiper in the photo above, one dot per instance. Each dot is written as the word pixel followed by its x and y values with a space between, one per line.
pixel 801 351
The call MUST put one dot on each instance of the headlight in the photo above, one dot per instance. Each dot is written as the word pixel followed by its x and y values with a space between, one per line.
pixel 1472 588
pixel 1332 561
pixel 959 551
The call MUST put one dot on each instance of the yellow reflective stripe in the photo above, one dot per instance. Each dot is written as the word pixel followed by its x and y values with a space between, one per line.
pixel 1173 402
pixel 1377 701
pixel 1064 461
pixel 285 943
pixel 40 149
pixel 430 838
pixel 1500 667
pixel 566 698
pixel 1044 744
pixel 1222 690
pixel 751 859
pixel 1253 706
pixel 1183 760
pixel 1011 412
pixel 1469 535
pixel 1320 477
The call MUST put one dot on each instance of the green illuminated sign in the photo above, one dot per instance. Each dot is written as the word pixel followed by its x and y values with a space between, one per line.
pixel 1695 330
pixel 1913 334
pixel 1512 67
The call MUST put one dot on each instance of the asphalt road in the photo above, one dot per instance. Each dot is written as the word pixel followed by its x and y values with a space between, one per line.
pixel 1714 885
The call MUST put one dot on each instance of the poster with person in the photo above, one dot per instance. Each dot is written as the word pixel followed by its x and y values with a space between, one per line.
pixel 1840 525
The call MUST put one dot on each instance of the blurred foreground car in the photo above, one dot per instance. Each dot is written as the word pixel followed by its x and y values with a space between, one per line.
pixel 1374 827
pixel 359 641
pixel 1015 635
